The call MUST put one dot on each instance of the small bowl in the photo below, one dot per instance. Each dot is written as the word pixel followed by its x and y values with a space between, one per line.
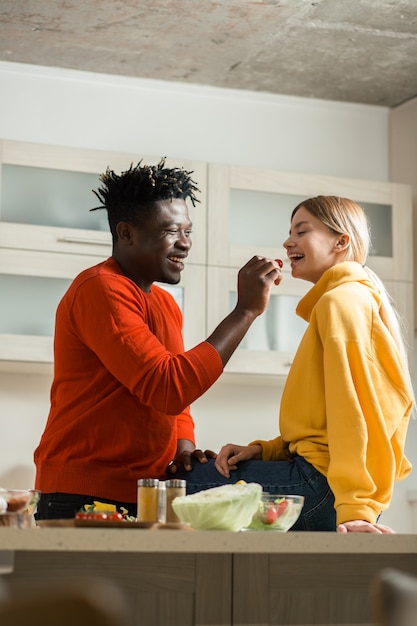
pixel 16 500
pixel 276 512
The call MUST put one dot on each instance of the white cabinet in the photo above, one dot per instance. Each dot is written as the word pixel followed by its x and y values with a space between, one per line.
pixel 249 212
pixel 48 235
pixel 51 186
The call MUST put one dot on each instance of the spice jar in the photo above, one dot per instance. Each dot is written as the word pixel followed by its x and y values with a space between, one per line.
pixel 174 487
pixel 162 502
pixel 148 500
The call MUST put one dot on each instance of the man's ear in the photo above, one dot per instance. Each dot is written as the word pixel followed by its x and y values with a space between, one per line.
pixel 124 232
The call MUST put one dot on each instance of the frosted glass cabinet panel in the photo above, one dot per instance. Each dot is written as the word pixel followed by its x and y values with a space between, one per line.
pixel 27 319
pixel 30 304
pixel 249 213
pixel 279 328
pixel 48 197
pixel 381 229
pixel 262 219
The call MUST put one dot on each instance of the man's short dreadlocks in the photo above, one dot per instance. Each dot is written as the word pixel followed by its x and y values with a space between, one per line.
pixel 130 196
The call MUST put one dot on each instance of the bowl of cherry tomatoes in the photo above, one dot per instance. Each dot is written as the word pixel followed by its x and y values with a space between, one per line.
pixel 276 512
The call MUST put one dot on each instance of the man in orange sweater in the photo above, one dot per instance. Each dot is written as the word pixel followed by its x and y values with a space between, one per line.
pixel 122 380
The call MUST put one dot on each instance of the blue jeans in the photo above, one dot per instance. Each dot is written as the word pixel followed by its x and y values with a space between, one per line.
pixel 296 477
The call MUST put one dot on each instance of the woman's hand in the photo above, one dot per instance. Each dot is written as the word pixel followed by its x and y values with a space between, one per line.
pixel 360 526
pixel 231 454
pixel 185 452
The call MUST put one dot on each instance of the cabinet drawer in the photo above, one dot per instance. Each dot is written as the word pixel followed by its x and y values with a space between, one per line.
pixel 26 354
pixel 55 239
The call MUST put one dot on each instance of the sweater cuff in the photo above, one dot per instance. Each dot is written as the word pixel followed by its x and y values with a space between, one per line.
pixel 272 450
pixel 350 512
pixel 185 427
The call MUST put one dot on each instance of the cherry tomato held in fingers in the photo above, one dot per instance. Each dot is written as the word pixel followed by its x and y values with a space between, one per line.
pixel 280 264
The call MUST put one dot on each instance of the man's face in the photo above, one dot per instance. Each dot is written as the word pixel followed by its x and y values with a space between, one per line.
pixel 156 250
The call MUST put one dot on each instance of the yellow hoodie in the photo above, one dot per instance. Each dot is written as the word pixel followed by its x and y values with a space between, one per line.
pixel 346 403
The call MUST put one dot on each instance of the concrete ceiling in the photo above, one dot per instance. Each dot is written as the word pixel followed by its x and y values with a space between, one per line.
pixel 362 51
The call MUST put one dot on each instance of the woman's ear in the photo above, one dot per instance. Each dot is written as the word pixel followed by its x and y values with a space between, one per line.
pixel 342 242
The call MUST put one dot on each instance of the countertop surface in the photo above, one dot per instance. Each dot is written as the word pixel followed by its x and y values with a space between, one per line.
pixel 168 540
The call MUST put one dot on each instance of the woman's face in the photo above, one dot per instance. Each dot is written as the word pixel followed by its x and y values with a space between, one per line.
pixel 312 247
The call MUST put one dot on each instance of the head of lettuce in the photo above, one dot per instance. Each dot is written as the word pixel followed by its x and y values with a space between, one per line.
pixel 228 507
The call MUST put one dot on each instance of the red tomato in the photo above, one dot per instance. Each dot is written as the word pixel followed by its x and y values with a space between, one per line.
pixel 271 515
pixel 115 517
pixel 87 515
pixel 281 507
pixel 280 263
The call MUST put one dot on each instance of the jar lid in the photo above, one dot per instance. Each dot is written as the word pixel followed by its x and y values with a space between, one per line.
pixel 148 482
pixel 175 482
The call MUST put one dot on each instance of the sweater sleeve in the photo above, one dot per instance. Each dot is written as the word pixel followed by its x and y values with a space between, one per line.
pixel 274 449
pixel 185 425
pixel 142 348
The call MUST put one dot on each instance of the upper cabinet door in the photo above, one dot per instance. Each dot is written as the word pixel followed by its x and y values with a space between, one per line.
pixel 249 212
pixel 51 186
pixel 48 235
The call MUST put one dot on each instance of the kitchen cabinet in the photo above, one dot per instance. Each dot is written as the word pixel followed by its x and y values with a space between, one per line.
pixel 197 578
pixel 48 235
pixel 249 213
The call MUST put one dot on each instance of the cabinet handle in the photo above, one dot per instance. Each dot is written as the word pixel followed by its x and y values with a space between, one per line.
pixel 95 242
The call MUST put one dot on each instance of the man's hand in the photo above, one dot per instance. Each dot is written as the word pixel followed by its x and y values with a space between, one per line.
pixel 254 284
pixel 186 451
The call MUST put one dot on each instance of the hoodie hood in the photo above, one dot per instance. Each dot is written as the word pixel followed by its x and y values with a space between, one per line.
pixel 339 274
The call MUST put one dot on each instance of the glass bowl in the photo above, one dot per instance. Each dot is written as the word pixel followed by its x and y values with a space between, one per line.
pixel 276 512
pixel 17 500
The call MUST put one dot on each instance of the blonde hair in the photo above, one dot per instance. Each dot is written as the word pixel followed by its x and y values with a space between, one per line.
pixel 342 215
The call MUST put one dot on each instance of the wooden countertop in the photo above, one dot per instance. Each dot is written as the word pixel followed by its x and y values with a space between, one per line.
pixel 163 540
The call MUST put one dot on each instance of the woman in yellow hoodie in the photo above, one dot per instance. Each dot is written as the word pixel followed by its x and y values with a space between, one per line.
pixel 348 396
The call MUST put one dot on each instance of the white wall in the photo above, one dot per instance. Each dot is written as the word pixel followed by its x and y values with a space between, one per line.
pixel 149 117
pixel 154 117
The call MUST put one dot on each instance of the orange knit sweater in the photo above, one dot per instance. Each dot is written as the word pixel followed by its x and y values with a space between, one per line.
pixel 122 387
